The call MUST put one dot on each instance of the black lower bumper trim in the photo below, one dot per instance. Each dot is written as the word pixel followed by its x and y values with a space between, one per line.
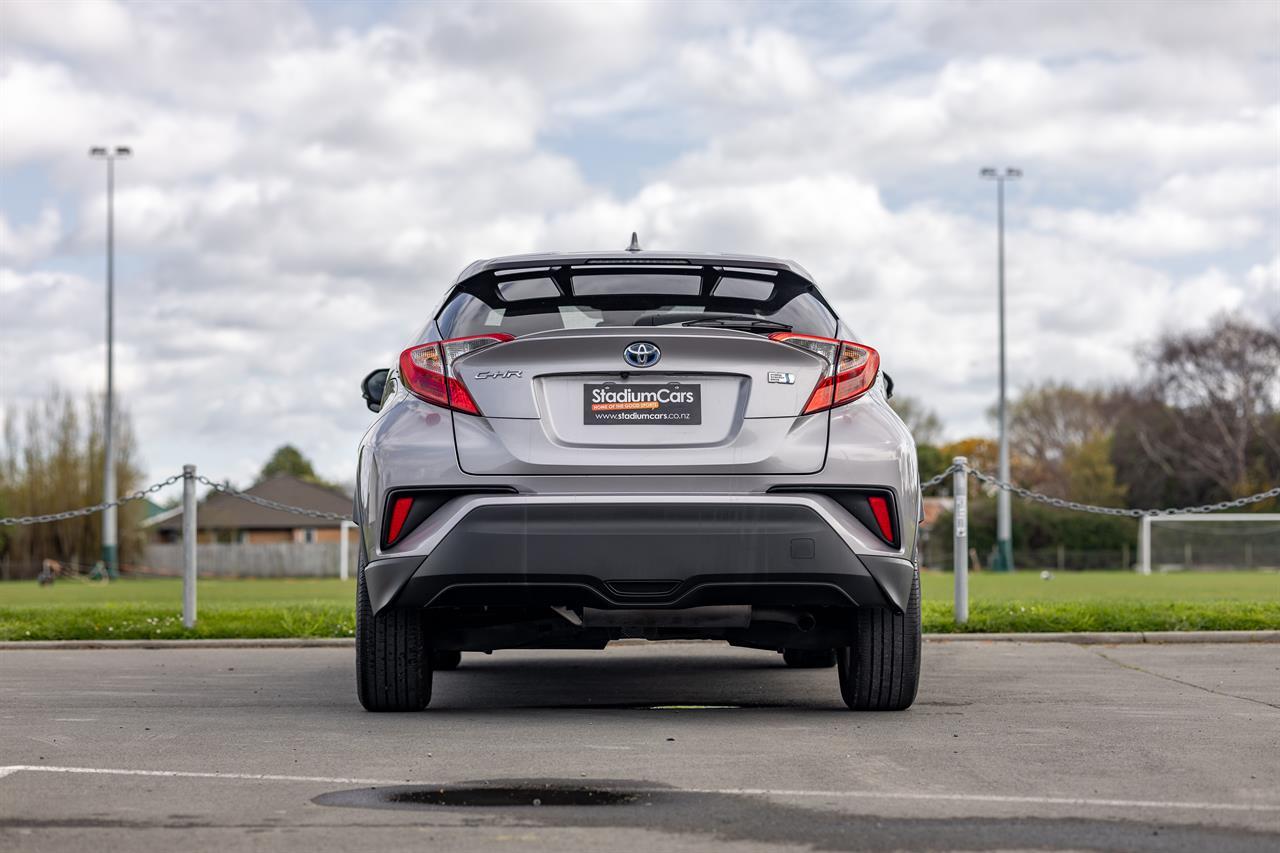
pixel 640 555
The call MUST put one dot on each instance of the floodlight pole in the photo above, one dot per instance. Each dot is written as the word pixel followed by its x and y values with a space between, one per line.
pixel 110 540
pixel 1004 513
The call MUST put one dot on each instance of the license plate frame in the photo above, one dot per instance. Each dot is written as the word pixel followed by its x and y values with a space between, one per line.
pixel 642 404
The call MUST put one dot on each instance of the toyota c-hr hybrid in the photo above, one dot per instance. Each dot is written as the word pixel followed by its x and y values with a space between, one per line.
pixel 579 448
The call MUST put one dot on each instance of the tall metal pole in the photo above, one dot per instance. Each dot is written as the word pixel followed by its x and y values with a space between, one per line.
pixel 1004 512
pixel 110 548
pixel 1004 520
pixel 110 540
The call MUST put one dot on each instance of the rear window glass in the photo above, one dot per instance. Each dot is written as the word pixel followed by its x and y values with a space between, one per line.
pixel 743 288
pixel 527 288
pixel 523 306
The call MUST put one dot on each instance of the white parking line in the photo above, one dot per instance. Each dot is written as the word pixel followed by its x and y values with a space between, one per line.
pixel 756 792
pixel 190 774
pixel 991 798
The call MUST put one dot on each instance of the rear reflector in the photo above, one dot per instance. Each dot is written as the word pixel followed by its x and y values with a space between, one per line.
pixel 880 509
pixel 426 370
pixel 407 509
pixel 875 508
pixel 851 369
pixel 399 513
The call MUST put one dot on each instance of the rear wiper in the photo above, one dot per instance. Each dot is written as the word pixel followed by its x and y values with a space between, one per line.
pixel 749 323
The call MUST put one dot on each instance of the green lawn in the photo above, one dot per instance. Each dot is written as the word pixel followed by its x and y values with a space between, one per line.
pixel 1108 587
pixel 1084 601
pixel 168 591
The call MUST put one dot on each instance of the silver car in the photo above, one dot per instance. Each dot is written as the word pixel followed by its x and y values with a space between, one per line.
pixel 579 448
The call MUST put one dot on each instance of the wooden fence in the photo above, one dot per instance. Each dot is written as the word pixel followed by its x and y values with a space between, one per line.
pixel 274 560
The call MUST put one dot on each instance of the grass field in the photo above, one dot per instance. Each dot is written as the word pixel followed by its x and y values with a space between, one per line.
pixel 1023 602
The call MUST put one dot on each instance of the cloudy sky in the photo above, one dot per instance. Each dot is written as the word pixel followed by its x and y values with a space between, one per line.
pixel 309 177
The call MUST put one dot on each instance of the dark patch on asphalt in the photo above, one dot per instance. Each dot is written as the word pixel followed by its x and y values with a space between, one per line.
pixel 740 817
pixel 519 795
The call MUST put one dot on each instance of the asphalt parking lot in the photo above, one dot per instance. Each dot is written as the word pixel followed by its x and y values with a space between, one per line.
pixel 658 747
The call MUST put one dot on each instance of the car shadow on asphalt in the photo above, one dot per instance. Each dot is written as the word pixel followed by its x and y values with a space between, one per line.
pixel 683 683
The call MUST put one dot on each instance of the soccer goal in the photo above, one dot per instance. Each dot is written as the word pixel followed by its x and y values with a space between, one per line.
pixel 1210 541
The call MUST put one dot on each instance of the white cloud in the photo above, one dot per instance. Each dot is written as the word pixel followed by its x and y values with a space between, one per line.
pixel 301 195
pixel 754 68
pixel 75 27
pixel 25 244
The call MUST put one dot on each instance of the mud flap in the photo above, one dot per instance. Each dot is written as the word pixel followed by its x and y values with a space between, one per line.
pixel 893 575
pixel 384 579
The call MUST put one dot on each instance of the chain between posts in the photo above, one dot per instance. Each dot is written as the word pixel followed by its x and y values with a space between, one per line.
pixel 1120 511
pixel 89 510
pixel 1062 503
pixel 927 484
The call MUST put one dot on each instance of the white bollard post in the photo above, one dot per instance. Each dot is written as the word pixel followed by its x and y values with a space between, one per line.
pixel 189 529
pixel 960 539
pixel 1144 546
pixel 343 558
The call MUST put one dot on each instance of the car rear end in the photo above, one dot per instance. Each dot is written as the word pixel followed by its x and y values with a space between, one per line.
pixel 582 448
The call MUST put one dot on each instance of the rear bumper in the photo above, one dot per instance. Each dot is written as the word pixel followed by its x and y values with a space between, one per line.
pixel 638 552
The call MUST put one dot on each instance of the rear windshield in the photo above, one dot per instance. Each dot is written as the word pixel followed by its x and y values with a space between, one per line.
pixel 579 298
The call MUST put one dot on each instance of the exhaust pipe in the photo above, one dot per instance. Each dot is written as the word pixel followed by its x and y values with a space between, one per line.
pixel 802 619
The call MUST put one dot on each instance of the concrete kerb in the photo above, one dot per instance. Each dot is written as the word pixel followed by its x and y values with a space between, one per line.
pixel 1080 638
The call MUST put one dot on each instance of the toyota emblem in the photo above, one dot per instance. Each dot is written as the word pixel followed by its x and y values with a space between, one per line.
pixel 642 354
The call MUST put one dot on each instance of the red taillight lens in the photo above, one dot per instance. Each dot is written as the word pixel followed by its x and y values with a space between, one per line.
pixel 880 509
pixel 851 369
pixel 426 370
pixel 399 513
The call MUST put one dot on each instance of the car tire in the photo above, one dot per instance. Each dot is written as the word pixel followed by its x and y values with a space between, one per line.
pixel 809 658
pixel 441 661
pixel 393 665
pixel 881 671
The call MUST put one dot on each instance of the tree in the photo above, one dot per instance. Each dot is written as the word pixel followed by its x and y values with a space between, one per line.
pixel 931 461
pixel 1091 478
pixel 982 453
pixel 1212 405
pixel 51 460
pixel 924 423
pixel 1050 425
pixel 288 460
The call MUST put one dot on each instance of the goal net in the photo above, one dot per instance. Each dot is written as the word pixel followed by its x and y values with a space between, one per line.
pixel 1209 542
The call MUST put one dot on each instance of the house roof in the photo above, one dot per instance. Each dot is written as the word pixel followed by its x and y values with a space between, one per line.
pixel 220 511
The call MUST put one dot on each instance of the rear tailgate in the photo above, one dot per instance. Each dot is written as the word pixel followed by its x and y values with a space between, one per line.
pixel 567 402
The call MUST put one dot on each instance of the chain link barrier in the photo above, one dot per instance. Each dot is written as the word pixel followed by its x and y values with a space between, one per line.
pixel 90 510
pixel 1062 503
pixel 1028 494
pixel 933 481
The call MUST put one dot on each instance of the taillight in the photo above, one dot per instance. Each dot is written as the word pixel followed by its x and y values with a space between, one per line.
pixel 426 370
pixel 851 369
